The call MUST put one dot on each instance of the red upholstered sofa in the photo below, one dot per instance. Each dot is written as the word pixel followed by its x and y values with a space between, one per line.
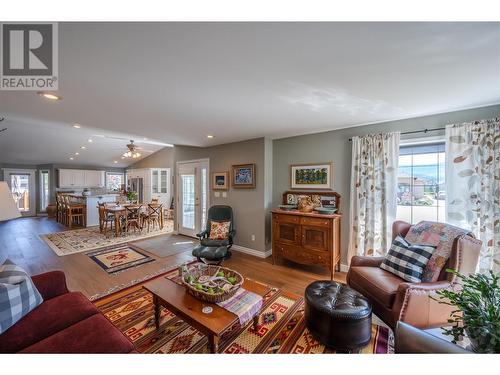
pixel 66 322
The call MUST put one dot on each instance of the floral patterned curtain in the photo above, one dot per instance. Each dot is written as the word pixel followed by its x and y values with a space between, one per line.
pixel 373 193
pixel 473 185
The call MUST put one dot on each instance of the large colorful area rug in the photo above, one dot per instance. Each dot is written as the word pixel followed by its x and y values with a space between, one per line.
pixel 119 258
pixel 82 240
pixel 281 327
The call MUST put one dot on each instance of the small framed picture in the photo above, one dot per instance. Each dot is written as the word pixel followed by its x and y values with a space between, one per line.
pixel 243 176
pixel 311 176
pixel 220 180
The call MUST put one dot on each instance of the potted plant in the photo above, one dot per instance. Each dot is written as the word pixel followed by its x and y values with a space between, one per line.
pixel 131 195
pixel 478 311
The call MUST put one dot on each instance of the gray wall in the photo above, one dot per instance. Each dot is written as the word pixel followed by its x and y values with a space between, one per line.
pixel 335 146
pixel 250 205
pixel 163 158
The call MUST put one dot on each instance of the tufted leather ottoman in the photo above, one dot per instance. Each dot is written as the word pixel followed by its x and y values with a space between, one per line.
pixel 338 316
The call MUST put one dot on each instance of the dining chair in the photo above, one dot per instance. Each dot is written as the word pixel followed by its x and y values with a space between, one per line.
pixel 133 217
pixel 104 219
pixel 153 215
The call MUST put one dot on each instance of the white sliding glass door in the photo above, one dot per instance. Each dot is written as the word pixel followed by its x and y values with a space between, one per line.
pixel 192 196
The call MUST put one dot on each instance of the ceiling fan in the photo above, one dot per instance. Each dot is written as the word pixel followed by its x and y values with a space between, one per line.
pixel 132 151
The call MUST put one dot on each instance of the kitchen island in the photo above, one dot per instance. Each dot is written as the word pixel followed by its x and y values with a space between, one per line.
pixel 91 202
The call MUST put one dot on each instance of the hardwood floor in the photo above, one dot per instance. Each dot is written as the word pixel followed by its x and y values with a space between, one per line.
pixel 20 242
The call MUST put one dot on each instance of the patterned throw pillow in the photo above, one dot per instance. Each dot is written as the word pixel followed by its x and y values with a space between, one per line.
pixel 219 230
pixel 407 261
pixel 439 235
pixel 18 295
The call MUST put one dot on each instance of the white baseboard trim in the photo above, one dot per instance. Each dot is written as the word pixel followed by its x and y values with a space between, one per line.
pixel 255 253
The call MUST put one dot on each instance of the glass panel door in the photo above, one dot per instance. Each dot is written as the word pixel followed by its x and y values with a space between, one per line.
pixel 192 197
pixel 22 186
pixel 188 199
pixel 44 190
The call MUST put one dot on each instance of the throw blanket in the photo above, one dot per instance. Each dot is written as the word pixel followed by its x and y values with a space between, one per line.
pixel 439 235
pixel 244 304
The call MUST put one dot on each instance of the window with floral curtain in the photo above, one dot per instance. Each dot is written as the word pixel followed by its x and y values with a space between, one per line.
pixel 473 185
pixel 373 193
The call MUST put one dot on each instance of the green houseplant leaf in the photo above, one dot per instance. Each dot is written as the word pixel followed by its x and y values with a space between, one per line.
pixel 478 311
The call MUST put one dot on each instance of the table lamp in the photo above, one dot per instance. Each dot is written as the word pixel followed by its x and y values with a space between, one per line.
pixel 8 209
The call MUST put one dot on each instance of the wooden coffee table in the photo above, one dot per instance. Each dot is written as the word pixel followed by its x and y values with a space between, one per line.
pixel 175 298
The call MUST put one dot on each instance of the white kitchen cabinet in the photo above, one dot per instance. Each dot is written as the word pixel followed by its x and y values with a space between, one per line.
pixel 94 178
pixel 77 178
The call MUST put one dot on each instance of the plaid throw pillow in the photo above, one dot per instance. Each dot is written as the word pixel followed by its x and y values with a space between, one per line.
pixel 219 230
pixel 407 261
pixel 18 295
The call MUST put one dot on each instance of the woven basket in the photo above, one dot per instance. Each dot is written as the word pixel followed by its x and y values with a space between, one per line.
pixel 211 270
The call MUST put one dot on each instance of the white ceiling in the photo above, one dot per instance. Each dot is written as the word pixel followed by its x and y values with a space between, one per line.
pixel 178 82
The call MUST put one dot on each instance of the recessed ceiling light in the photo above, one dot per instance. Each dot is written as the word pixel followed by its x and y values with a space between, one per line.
pixel 115 162
pixel 210 136
pixel 48 95
pixel 71 158
pixel 83 147
pixel 77 153
pixel 90 141
pixel 77 126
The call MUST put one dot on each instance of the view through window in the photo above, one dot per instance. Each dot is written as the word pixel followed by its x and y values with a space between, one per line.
pixel 421 183
pixel 114 181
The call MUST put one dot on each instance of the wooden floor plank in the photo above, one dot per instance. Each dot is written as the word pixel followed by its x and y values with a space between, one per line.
pixel 20 241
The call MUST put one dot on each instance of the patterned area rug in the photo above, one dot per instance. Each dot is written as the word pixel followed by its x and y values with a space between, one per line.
pixel 119 258
pixel 86 239
pixel 281 327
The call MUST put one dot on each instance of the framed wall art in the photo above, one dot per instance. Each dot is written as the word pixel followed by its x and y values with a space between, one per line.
pixel 311 176
pixel 243 176
pixel 220 180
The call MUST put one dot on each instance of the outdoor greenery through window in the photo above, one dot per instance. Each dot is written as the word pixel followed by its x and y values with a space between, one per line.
pixel 421 183
pixel 114 181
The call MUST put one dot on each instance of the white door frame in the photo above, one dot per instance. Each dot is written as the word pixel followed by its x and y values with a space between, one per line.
pixel 177 193
pixel 33 187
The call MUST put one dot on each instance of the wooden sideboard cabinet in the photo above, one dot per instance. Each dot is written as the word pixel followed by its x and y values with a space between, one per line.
pixel 307 238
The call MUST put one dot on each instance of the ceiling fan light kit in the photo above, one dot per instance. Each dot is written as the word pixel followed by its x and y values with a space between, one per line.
pixel 132 151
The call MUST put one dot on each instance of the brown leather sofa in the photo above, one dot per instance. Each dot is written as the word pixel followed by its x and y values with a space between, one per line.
pixel 395 299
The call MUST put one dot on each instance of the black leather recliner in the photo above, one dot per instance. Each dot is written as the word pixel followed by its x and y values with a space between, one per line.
pixel 215 251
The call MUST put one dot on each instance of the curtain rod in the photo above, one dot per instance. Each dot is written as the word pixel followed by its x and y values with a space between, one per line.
pixel 417 131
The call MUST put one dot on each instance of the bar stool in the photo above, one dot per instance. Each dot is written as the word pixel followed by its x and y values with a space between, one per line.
pixel 75 211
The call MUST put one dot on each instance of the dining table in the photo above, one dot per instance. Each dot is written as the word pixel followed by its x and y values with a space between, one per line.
pixel 118 212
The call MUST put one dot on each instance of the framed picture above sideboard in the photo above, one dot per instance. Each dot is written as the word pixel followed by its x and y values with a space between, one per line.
pixel 311 176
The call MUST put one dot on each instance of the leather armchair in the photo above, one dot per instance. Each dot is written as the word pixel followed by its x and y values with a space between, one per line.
pixel 395 299
pixel 215 250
